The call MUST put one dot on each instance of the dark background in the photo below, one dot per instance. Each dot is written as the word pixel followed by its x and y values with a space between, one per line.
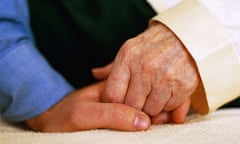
pixel 77 35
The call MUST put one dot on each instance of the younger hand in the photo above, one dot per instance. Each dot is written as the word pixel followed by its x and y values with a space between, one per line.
pixel 82 110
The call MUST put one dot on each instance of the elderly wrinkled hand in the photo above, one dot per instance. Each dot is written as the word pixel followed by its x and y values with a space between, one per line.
pixel 152 72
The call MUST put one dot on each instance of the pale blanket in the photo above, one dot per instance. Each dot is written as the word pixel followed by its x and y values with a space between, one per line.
pixel 221 127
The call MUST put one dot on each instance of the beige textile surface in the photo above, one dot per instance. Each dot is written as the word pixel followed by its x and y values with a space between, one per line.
pixel 220 127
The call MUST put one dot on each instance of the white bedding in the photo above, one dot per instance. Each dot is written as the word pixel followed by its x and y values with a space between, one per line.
pixel 221 127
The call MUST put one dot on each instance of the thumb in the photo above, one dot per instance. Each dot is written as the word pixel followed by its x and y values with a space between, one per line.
pixel 102 72
pixel 113 116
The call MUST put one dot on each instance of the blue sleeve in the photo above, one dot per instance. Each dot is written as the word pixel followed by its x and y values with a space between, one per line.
pixel 28 85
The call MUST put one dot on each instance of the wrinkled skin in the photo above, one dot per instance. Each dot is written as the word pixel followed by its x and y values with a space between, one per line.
pixel 150 81
pixel 152 72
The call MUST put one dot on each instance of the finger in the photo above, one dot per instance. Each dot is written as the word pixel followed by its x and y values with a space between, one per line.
pixel 112 116
pixel 183 86
pixel 157 100
pixel 117 84
pixel 102 73
pixel 179 115
pixel 138 90
pixel 179 96
pixel 162 118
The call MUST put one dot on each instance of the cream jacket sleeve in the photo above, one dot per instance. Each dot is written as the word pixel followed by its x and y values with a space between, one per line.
pixel 210 30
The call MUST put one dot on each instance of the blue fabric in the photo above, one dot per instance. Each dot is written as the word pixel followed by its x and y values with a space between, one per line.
pixel 28 84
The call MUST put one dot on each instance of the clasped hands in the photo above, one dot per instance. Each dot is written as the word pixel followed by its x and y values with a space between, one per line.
pixel 150 81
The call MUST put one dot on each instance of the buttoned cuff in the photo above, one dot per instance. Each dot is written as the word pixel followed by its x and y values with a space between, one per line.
pixel 212 49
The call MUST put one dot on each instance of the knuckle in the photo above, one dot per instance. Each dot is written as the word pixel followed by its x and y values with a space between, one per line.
pixel 151 111
pixel 173 104
pixel 191 84
pixel 127 46
pixel 129 42
pixel 130 47
pixel 169 108
pixel 154 108
pixel 127 52
pixel 185 83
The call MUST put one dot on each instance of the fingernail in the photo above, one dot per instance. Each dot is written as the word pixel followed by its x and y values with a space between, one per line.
pixel 141 122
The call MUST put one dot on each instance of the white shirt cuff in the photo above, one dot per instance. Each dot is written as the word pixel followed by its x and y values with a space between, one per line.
pixel 212 49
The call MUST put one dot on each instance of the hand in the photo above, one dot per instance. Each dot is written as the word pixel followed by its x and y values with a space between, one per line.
pixel 177 116
pixel 82 110
pixel 152 72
